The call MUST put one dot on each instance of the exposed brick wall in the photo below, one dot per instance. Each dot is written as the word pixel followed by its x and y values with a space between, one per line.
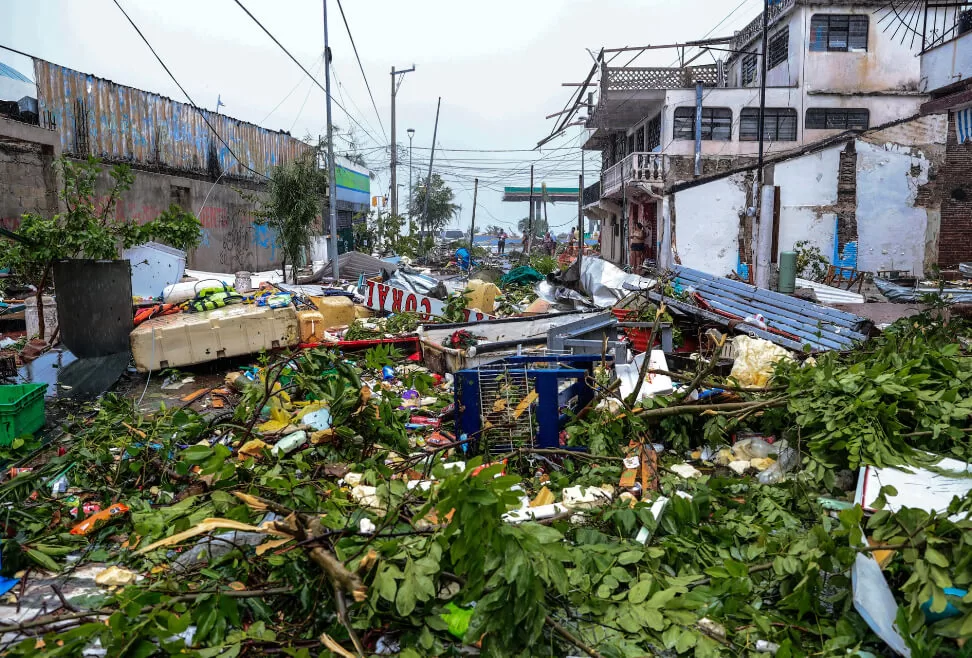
pixel 847 197
pixel 955 181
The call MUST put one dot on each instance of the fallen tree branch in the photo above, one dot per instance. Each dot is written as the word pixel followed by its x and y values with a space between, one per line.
pixel 104 612
pixel 684 409
pixel 294 524
pixel 570 637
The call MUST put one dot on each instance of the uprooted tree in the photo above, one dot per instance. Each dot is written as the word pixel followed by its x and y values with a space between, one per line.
pixel 88 228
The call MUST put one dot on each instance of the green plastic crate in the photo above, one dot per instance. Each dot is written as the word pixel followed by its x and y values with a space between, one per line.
pixel 21 410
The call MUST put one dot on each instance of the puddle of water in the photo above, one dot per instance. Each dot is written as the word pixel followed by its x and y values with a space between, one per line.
pixel 68 377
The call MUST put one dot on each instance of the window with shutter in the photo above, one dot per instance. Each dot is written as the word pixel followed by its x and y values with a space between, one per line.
pixel 838 33
pixel 716 123
pixel 825 118
pixel 779 47
pixel 748 69
pixel 779 124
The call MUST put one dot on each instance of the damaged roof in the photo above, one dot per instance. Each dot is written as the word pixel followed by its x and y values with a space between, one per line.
pixel 790 322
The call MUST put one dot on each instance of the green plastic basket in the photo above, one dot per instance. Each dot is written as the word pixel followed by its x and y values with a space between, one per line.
pixel 21 410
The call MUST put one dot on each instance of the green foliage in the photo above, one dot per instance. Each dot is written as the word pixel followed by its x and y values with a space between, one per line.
pixel 89 228
pixel 174 227
pixel 860 408
pixel 455 307
pixel 540 227
pixel 293 203
pixel 380 356
pixel 544 264
pixel 811 263
pixel 441 206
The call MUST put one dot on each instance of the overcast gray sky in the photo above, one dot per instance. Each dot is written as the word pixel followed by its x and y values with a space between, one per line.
pixel 498 67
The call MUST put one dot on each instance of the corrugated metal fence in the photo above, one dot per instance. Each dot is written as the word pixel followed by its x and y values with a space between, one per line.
pixel 98 117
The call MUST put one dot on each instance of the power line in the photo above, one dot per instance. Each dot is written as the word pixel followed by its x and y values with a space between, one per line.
pixel 361 68
pixel 294 59
pixel 188 97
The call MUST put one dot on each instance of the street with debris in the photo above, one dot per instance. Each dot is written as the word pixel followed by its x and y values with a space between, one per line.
pixel 707 393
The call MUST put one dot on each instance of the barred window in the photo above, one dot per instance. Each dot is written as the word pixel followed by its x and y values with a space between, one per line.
pixel 838 33
pixel 779 124
pixel 827 118
pixel 716 123
pixel 748 69
pixel 653 134
pixel 779 48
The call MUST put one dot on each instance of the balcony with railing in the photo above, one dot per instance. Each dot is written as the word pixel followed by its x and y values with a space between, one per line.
pixel 647 168
pixel 946 56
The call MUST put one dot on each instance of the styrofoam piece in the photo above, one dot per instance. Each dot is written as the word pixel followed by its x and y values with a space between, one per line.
pixel 185 339
pixel 917 487
pixel 875 602
pixel 534 513
pixel 154 266
pixel 654 384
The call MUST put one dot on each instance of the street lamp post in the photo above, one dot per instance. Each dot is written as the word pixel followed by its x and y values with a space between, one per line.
pixel 411 134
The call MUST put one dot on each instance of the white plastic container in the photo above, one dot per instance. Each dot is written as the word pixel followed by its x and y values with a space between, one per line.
pixel 32 318
pixel 154 266
pixel 185 339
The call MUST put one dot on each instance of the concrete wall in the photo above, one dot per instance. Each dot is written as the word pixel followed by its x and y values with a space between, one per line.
pixel 230 240
pixel 947 64
pixel 891 225
pixel 27 181
pixel 808 194
pixel 707 221
pixel 883 110
pixel 887 65
pixel 891 192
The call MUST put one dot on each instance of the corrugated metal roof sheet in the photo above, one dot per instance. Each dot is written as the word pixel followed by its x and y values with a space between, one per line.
pixel 122 124
pixel 14 74
pixel 791 322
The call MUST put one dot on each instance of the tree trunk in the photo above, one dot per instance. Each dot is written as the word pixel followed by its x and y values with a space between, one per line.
pixel 39 296
pixel 41 324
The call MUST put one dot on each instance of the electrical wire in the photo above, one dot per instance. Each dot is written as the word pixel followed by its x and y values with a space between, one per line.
pixel 361 68
pixel 302 68
pixel 188 97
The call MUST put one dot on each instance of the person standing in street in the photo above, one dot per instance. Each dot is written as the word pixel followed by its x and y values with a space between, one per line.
pixel 501 243
pixel 637 247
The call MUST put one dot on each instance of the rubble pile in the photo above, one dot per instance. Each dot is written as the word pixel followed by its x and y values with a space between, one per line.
pixel 395 487
pixel 333 508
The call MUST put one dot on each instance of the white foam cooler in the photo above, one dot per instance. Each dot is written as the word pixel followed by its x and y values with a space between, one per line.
pixel 186 339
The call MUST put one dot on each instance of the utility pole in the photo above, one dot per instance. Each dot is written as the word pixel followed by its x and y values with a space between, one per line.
pixel 411 221
pixel 331 179
pixel 580 220
pixel 428 181
pixel 759 262
pixel 528 242
pixel 472 224
pixel 395 84
pixel 762 92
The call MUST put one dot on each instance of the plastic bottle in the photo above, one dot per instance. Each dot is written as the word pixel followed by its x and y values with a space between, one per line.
pixel 785 462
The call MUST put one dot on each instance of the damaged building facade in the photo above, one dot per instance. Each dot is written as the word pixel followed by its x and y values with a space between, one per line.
pixel 177 157
pixel 852 164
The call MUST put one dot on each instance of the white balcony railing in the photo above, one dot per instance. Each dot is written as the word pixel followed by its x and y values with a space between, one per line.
pixel 635 168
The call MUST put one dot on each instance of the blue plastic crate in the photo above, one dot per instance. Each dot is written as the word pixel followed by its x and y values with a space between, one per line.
pixel 522 401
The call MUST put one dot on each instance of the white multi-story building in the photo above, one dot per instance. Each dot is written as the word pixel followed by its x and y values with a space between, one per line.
pixel 833 67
